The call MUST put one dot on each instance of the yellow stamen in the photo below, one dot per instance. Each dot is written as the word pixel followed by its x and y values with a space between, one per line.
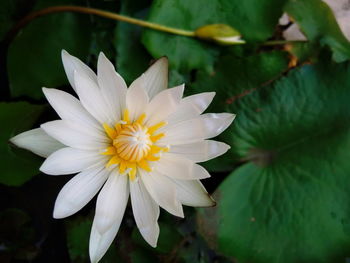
pixel 118 127
pixel 126 116
pixel 157 137
pixel 155 149
pixel 133 145
pixel 155 127
pixel 110 151
pixel 141 119
pixel 144 165
pixel 110 131
pixel 152 158
pixel 122 166
pixel 132 172
pixel 114 160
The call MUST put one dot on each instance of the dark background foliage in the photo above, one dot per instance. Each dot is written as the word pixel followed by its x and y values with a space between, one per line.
pixel 282 189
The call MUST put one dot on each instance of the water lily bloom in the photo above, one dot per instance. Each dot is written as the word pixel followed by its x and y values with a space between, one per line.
pixel 145 140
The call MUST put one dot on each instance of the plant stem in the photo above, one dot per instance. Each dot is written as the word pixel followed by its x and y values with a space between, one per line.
pixel 282 42
pixel 86 10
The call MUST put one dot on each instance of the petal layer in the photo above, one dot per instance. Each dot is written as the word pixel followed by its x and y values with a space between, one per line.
pixel 112 85
pixel 70 160
pixel 69 108
pixel 146 212
pixel 155 79
pixel 175 166
pixel 193 193
pixel 72 64
pixel 92 99
pixel 200 151
pixel 191 107
pixel 37 141
pixel 111 202
pixel 163 191
pixel 205 126
pixel 79 191
pixel 163 104
pixel 75 135
pixel 136 100
pixel 99 243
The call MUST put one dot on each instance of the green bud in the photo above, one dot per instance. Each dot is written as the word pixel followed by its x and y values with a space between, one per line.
pixel 220 33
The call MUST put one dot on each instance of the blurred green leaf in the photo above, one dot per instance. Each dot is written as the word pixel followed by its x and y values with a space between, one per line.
pixel 290 201
pixel 18 166
pixel 318 23
pixel 255 19
pixel 34 57
pixel 169 237
pixel 132 58
pixel 78 235
pixel 10 11
pixel 233 79
pixel 17 236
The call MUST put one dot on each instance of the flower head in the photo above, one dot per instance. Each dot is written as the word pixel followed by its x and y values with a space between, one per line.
pixel 145 140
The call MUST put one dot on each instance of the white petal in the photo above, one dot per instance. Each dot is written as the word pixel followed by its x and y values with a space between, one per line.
pixel 155 79
pixel 37 141
pixel 72 64
pixel 99 243
pixel 76 135
pixel 146 212
pixel 205 126
pixel 90 96
pixel 111 201
pixel 136 100
pixel 163 191
pixel 191 107
pixel 163 104
pixel 112 85
pixel 175 166
pixel 200 151
pixel 193 193
pixel 69 160
pixel 69 108
pixel 79 191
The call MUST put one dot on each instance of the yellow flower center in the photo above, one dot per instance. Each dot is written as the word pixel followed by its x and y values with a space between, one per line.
pixel 133 145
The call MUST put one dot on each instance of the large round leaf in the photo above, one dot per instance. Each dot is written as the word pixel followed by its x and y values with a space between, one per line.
pixel 255 19
pixel 290 201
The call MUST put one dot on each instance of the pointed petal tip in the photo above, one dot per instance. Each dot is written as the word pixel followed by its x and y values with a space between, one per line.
pixel 64 54
pixel 60 211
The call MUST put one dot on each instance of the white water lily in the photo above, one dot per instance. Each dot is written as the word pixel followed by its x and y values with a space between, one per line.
pixel 145 140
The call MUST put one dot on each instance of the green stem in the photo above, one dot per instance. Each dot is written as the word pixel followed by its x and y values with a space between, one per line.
pixel 282 42
pixel 86 10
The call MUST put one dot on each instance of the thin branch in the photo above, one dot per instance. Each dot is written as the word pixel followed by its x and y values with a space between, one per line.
pixel 86 10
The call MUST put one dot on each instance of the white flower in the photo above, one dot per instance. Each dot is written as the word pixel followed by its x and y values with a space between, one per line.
pixel 144 140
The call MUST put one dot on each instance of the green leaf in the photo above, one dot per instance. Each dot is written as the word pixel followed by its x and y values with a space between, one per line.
pixel 255 19
pixel 290 201
pixel 318 23
pixel 34 57
pixel 9 11
pixel 235 78
pixel 132 58
pixel 168 238
pixel 18 166
pixel 78 235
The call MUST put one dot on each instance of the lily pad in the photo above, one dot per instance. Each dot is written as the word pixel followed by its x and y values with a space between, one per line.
pixel 290 201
